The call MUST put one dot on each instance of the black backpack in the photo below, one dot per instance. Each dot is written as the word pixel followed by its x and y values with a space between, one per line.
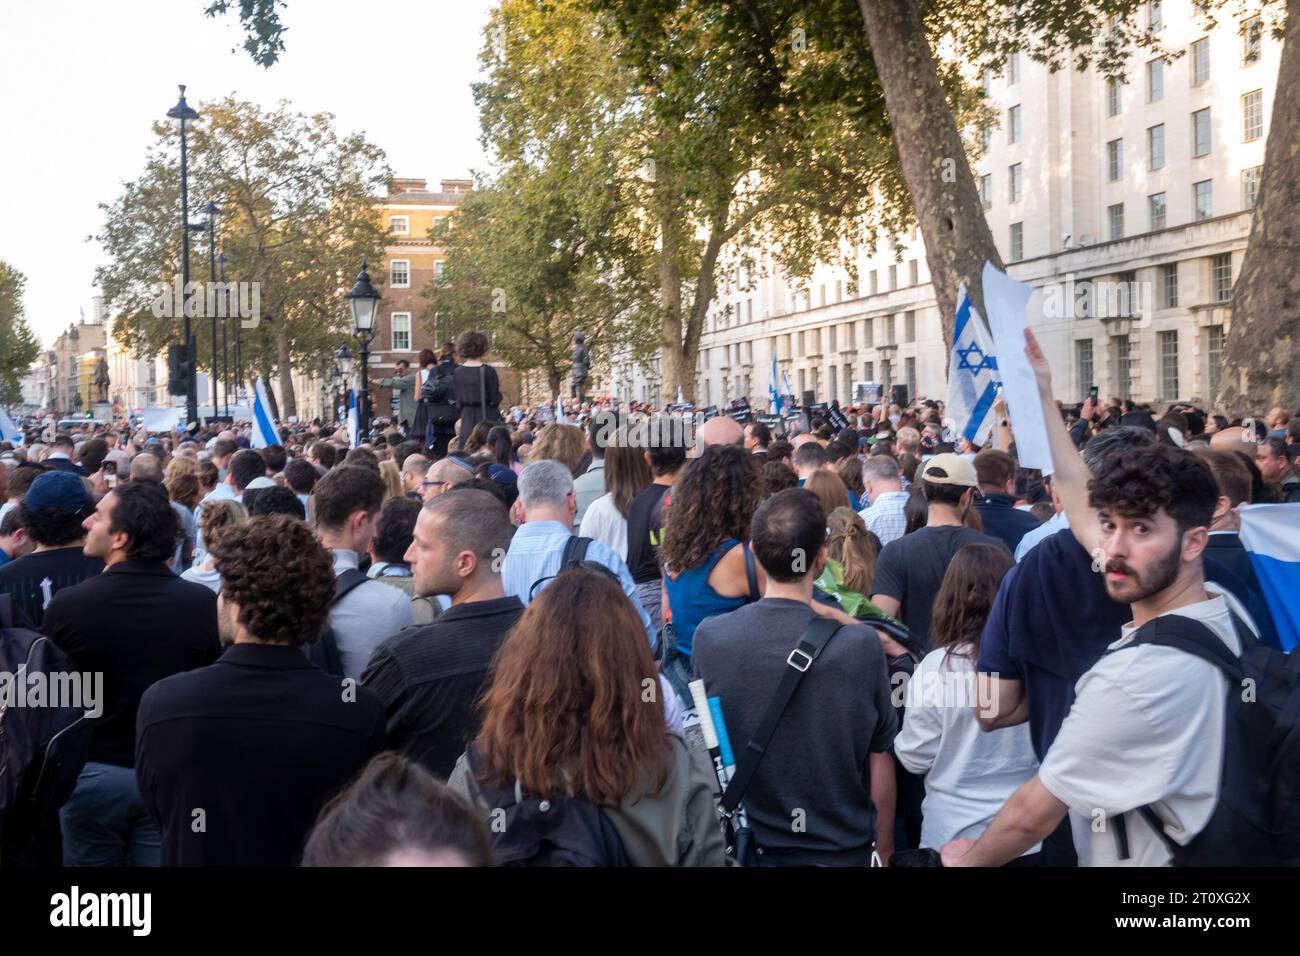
pixel 325 652
pixel 1256 821
pixel 440 395
pixel 573 556
pixel 561 831
pixel 42 749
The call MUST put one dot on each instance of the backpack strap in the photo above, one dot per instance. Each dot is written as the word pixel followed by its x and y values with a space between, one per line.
pixel 751 571
pixel 348 581
pixel 575 550
pixel 812 642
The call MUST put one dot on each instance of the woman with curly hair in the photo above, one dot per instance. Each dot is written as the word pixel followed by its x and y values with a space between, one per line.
pixel 708 566
pixel 478 390
pixel 565 717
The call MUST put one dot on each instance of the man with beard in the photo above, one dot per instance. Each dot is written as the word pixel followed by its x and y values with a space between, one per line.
pixel 1147 724
pixel 235 760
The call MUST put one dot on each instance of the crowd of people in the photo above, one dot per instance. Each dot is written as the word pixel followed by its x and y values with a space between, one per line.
pixel 477 637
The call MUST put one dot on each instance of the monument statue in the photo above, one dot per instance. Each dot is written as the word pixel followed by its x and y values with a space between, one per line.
pixel 101 379
pixel 581 368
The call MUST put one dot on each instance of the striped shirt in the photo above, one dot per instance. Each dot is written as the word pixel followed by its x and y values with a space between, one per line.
pixel 885 518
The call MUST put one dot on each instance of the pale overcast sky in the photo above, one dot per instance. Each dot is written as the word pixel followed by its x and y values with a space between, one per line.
pixel 81 81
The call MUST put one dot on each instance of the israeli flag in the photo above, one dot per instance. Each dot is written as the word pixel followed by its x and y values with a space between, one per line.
pixel 264 432
pixel 354 420
pixel 8 430
pixel 972 375
pixel 773 392
pixel 785 380
pixel 1271 536
pixel 559 411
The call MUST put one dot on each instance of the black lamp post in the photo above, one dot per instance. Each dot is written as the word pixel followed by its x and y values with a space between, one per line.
pixel 183 112
pixel 211 209
pixel 225 354
pixel 364 301
pixel 342 371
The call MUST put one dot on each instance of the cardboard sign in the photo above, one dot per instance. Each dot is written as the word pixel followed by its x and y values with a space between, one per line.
pixel 740 411
pixel 710 412
pixel 838 419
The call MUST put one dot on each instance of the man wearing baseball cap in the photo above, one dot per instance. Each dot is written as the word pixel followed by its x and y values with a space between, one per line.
pixel 911 568
pixel 52 512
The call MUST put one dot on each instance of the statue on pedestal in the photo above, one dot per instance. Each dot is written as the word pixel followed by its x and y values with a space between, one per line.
pixel 581 368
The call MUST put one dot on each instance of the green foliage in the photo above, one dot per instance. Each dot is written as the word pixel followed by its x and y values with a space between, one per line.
pixel 18 345
pixel 297 216
pixel 263 29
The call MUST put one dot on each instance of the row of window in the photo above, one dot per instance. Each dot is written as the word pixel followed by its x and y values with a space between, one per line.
pixel 809 342
pixel 399 272
pixel 1252 116
pixel 401 225
pixel 1167 350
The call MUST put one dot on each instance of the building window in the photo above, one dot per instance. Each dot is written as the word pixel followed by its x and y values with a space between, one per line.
pixel 1200 61
pixel 1083 364
pixel 1113 100
pixel 1214 356
pixel 909 326
pixel 913 273
pixel 1115 218
pixel 1252 41
pixel 1123 366
pixel 868 371
pixel 1156 147
pixel 1221 277
pixel 1252 115
pixel 986 139
pixel 1017 241
pixel 1155 81
pixel 1013 69
pixel 1013 182
pixel 1201 132
pixel 1250 185
pixel 1013 124
pixel 399 225
pixel 830 338
pixel 893 278
pixel 1156 210
pixel 869 333
pixel 439 268
pixel 891 330
pixel 400 323
pixel 1128 304
pixel 399 274
pixel 986 190
pixel 1155 16
pixel 1115 160
pixel 1169 365
pixel 1169 285
pixel 909 374
pixel 1203 199
pixel 988 80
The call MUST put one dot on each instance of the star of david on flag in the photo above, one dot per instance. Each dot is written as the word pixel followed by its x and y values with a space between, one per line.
pixel 972 375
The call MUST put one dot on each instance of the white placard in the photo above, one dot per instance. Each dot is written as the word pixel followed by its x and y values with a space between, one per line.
pixel 1005 301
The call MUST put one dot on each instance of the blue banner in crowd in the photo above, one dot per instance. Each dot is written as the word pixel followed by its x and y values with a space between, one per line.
pixel 972 375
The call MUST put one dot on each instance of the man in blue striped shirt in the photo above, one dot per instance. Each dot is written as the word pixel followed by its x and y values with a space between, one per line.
pixel 544 512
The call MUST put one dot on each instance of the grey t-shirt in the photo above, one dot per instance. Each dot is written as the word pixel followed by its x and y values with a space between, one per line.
pixel 811 794
pixel 911 569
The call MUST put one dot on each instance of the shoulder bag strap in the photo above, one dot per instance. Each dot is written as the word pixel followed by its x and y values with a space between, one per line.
pixel 347 581
pixel 751 571
pixel 482 389
pixel 811 643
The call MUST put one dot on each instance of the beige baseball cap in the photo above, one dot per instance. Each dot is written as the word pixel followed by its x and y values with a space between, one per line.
pixel 950 469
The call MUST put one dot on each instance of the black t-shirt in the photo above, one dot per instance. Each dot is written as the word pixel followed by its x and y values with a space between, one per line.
pixel 911 569
pixel 645 528
pixel 35 578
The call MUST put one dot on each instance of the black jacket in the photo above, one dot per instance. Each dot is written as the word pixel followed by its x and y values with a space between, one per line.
pixel 1002 519
pixel 64 464
pixel 135 623
pixel 258 742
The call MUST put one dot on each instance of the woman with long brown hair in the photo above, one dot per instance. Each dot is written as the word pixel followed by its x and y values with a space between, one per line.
pixel 708 566
pixel 563 443
pixel 854 547
pixel 829 489
pixel 970 773
pixel 627 473
pixel 566 715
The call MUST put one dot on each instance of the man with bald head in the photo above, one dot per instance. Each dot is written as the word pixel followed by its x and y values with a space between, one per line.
pixel 443 475
pixel 723 430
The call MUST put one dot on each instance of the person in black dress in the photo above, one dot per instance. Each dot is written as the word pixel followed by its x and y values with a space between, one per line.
pixel 478 390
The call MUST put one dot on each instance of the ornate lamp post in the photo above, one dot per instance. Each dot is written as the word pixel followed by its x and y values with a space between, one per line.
pixel 364 301
pixel 183 112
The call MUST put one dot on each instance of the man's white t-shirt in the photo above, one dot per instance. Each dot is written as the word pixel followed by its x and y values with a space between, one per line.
pixel 1146 727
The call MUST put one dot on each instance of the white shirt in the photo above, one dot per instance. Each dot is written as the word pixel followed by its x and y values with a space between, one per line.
pixel 1146 727
pixel 969 773
pixel 603 523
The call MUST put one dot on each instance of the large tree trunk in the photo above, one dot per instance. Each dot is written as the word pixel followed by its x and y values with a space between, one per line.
pixel 285 361
pixel 678 367
pixel 1261 367
pixel 947 203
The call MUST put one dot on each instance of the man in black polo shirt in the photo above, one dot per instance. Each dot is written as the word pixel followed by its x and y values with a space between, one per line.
pixel 429 677
pixel 136 623
pixel 996 504
pixel 235 760
pixel 52 511
pixel 645 516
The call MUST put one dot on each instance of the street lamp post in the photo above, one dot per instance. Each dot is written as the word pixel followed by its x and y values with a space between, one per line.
pixel 183 112
pixel 225 354
pixel 364 301
pixel 344 369
pixel 212 209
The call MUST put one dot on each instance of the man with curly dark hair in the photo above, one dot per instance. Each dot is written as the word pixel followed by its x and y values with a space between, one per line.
pixel 209 740
pixel 1143 744
pixel 124 624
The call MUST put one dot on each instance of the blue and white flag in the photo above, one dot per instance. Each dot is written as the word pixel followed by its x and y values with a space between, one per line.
pixel 559 411
pixel 264 432
pixel 1271 536
pixel 8 430
pixel 773 390
pixel 785 380
pixel 354 420
pixel 972 375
